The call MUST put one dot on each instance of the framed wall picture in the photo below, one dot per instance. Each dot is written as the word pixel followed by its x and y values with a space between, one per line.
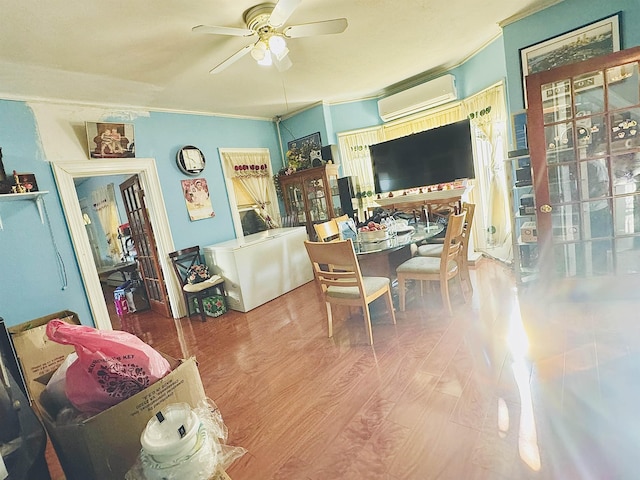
pixel 28 181
pixel 592 40
pixel 301 151
pixel 308 141
pixel 110 140
pixel 196 196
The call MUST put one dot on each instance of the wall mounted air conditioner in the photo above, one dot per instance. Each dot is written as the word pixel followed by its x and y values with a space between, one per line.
pixel 416 99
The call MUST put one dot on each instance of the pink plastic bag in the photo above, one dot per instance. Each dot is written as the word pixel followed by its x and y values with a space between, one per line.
pixel 112 365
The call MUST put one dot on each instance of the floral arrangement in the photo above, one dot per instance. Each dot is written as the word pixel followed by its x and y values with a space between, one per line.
pixel 298 158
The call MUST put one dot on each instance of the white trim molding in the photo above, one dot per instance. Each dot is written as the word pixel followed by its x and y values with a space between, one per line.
pixel 65 172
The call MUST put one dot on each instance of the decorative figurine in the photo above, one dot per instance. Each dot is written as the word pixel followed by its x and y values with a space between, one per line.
pixel 18 187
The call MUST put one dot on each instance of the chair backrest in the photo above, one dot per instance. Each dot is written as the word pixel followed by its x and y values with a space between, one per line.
pixel 470 209
pixel 453 240
pixel 327 231
pixel 325 255
pixel 183 260
pixel 341 218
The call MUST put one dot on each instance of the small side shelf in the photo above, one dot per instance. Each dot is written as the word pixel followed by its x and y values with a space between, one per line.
pixel 16 197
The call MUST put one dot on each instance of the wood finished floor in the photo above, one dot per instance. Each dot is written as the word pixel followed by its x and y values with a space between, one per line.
pixel 510 387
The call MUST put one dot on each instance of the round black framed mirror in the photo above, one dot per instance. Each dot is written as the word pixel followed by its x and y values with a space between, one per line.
pixel 190 160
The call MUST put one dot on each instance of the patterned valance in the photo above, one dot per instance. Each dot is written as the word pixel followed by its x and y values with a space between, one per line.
pixel 251 170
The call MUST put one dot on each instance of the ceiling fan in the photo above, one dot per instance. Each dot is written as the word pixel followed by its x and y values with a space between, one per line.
pixel 267 20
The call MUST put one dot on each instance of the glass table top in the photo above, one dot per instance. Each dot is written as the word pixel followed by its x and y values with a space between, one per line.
pixel 397 240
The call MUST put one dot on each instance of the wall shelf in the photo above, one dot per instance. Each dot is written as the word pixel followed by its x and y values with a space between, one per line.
pixel 15 197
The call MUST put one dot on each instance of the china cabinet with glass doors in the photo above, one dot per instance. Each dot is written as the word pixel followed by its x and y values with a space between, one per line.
pixel 584 142
pixel 312 196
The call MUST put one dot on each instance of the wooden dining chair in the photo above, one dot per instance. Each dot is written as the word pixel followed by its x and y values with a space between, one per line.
pixel 435 249
pixel 327 231
pixel 345 285
pixel 436 269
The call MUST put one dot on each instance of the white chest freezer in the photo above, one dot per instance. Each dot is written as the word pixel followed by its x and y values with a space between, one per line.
pixel 260 267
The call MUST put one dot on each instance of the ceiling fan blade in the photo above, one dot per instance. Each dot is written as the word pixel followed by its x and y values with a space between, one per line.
pixel 282 11
pixel 233 58
pixel 327 27
pixel 282 61
pixel 236 32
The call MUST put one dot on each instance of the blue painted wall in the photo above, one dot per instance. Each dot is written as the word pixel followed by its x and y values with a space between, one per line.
pixel 27 247
pixel 39 274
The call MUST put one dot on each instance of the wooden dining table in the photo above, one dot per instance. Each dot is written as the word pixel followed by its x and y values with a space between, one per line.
pixel 380 258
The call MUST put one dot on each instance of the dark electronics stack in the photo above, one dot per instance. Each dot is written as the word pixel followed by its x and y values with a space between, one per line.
pixel 347 195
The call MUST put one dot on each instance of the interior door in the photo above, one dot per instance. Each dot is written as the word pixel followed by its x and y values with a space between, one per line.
pixel 144 241
pixel 584 141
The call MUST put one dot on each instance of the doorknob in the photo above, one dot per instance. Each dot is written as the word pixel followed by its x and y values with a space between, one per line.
pixel 546 208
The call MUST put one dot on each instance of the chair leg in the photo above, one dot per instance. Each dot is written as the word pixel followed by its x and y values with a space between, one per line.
pixel 402 292
pixel 389 301
pixel 329 319
pixel 462 289
pixel 367 323
pixel 444 291
pixel 203 314
pixel 188 305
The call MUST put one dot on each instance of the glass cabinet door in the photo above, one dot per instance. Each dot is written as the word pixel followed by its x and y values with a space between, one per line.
pixel 295 198
pixel 314 188
pixel 589 196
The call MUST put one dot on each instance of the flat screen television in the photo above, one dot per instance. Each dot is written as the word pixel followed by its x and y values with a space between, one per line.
pixel 439 155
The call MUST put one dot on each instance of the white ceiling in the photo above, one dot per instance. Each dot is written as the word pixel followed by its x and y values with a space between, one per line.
pixel 143 53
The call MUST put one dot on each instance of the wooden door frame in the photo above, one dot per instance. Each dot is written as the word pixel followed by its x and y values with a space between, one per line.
pixel 65 172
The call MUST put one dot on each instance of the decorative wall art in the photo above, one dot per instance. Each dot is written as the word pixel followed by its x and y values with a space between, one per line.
pixel 110 140
pixel 301 150
pixel 592 40
pixel 27 181
pixel 196 195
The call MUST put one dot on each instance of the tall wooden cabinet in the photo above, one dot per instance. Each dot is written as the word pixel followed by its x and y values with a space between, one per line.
pixel 584 142
pixel 312 195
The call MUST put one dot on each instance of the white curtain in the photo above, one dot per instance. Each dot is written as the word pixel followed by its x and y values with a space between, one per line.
pixel 253 170
pixel 488 115
pixel 104 204
pixel 356 162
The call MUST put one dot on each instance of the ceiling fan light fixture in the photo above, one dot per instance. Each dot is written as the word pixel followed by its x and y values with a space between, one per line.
pixel 259 51
pixel 277 44
pixel 282 54
pixel 266 61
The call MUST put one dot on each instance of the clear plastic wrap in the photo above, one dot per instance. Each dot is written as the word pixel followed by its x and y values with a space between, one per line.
pixel 209 454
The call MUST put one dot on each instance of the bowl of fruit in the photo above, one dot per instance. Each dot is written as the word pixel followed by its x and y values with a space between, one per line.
pixel 372 232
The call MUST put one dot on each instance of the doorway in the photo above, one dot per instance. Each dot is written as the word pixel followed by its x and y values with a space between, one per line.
pixel 65 172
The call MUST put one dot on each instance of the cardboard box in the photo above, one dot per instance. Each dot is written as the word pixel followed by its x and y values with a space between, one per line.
pixel 105 446
pixel 37 355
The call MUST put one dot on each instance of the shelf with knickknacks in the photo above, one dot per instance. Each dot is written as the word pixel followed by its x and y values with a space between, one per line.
pixel 20 187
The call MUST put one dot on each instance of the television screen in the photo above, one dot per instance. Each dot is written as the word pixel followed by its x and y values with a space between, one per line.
pixel 439 155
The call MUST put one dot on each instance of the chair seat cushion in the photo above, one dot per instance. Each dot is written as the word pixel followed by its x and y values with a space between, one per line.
pixel 424 265
pixel 208 283
pixel 371 284
pixel 430 250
